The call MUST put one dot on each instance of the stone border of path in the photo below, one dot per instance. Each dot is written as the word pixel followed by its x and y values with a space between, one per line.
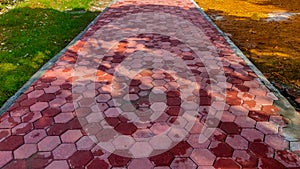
pixel 286 109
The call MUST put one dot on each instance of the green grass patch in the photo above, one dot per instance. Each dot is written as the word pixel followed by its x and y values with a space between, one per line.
pixel 32 33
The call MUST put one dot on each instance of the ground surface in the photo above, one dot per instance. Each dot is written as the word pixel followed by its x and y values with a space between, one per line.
pixel 32 32
pixel 273 46
pixel 145 92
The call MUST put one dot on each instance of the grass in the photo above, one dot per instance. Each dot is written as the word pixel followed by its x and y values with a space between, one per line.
pixel 33 32
pixel 274 47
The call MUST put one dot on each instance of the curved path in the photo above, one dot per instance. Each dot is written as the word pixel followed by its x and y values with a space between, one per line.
pixel 151 84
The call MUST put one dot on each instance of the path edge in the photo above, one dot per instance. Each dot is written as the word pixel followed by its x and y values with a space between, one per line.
pixel 285 107
pixel 46 66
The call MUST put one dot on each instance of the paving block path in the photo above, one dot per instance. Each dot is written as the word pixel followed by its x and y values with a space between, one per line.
pixel 151 84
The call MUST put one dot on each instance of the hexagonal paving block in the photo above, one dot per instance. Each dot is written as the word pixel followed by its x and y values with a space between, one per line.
pixel 260 149
pixel 126 128
pixel 142 134
pixel 80 159
pixel 239 110
pixel 244 121
pixel 49 143
pixel 6 156
pixel 63 117
pixel 237 142
pixel 96 163
pixel 267 127
pixel 226 163
pixel 85 143
pixel 167 156
pixel 123 142
pixel 245 158
pixel 39 106
pixel 158 106
pixel 160 142
pixel 287 158
pixel 68 107
pixel 57 102
pixel 141 149
pixel 252 135
pixel 118 161
pixel 181 149
pixel 20 129
pixel 221 149
pixel 113 112
pixel 230 127
pixel 183 163
pixel 193 140
pixel 11 143
pixel 177 134
pixel 140 163
pixel 277 142
pixel 35 94
pixel 71 136
pixel 64 151
pixel 35 136
pixel 61 164
pixel 203 157
pixel 103 98
pixel 25 151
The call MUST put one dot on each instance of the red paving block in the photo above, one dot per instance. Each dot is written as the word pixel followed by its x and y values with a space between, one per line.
pixel 50 126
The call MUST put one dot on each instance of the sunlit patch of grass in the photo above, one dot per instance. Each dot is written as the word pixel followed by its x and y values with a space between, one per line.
pixel 240 8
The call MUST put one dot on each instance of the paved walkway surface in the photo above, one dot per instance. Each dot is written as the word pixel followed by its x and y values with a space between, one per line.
pixel 150 85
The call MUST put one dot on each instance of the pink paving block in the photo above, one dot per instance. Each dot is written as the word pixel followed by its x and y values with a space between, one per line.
pixel 5 157
pixel 21 129
pixel 85 143
pixel 239 110
pixel 35 94
pixel 264 100
pixel 179 163
pixel 51 89
pixel 96 162
pixel 277 142
pixel 203 157
pixel 227 117
pixel 35 136
pixel 237 142
pixel 267 127
pixel 25 151
pixel 244 121
pixel 61 164
pixel 39 106
pixel 49 143
pixel 140 163
pixel 245 158
pixel 68 107
pixel 63 117
pixel 58 102
pixel 193 140
pixel 71 136
pixel 252 135
pixel 64 151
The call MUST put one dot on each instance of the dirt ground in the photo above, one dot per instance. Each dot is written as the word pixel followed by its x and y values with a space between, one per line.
pixel 273 46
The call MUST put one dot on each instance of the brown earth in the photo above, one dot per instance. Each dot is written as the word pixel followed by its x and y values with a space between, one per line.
pixel 273 46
